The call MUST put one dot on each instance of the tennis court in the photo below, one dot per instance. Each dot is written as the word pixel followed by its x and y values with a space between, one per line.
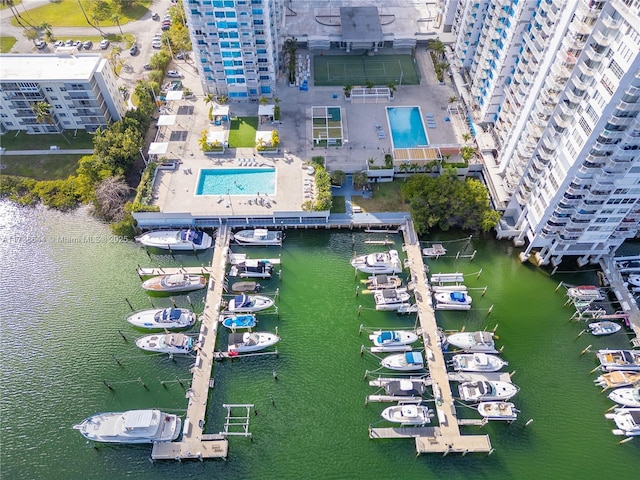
pixel 334 70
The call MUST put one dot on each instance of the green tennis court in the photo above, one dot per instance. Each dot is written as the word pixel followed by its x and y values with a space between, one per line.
pixel 333 70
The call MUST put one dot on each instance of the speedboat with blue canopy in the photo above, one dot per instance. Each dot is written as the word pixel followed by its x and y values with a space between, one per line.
pixel 186 239
pixel 456 300
pixel 163 318
pixel 239 322
pixel 249 303
pixel 408 361
pixel 390 339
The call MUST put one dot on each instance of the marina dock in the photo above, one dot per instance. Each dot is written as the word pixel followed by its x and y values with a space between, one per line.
pixel 194 443
pixel 446 437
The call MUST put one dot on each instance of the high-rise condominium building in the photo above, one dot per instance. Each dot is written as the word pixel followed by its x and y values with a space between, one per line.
pixel 557 83
pixel 236 45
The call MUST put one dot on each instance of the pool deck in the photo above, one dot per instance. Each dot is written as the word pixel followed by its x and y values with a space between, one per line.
pixel 174 190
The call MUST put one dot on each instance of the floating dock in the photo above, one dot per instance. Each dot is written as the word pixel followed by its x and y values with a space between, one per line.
pixel 194 444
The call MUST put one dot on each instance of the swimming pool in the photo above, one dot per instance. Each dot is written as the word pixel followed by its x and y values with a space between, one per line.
pixel 237 181
pixel 407 128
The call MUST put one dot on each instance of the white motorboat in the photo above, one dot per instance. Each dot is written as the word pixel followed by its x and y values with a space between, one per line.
pixel 163 318
pixel 408 361
pixel 186 239
pixel 589 293
pixel 382 282
pixel 627 420
pixel 619 360
pixel 408 414
pixel 390 339
pixel 252 268
pixel 259 236
pixel 241 287
pixel 454 300
pixel 617 379
pixel 239 322
pixel 167 343
pixel 405 388
pixel 178 282
pixel 481 341
pixel 436 250
pixel 627 396
pixel 384 262
pixel 603 328
pixel 134 426
pixel 391 299
pixel 505 411
pixel 477 362
pixel 634 279
pixel 251 342
pixel 249 303
pixel 485 390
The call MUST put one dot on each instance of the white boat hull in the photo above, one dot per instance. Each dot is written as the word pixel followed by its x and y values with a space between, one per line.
pixel 484 391
pixel 172 343
pixel 603 328
pixel 619 360
pixel 616 379
pixel 480 341
pixel 477 362
pixel 251 342
pixel 163 318
pixel 134 426
pixel 178 240
pixel 377 263
pixel 258 237
pixel 454 300
pixel 408 414
pixel 505 411
pixel 175 283
pixel 404 362
pixel 627 420
pixel 626 396
pixel 390 338
pixel 256 303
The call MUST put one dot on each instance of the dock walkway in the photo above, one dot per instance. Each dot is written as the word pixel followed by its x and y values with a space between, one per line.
pixel 446 437
pixel 194 443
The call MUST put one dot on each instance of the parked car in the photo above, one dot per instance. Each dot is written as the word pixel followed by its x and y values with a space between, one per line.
pixel 146 66
pixel 174 74
pixel 155 16
pixel 166 27
pixel 78 45
pixel 68 43
pixel 156 44
pixel 182 55
pixel 40 44
pixel 59 43
pixel 88 45
pixel 104 44
pixel 134 49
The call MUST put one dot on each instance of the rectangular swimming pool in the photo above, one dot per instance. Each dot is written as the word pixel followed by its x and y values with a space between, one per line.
pixel 236 181
pixel 407 128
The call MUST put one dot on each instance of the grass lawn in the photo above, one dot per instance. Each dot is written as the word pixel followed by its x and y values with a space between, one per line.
pixel 66 13
pixel 15 3
pixel 40 167
pixel 6 44
pixel 22 141
pixel 338 204
pixel 242 132
pixel 386 198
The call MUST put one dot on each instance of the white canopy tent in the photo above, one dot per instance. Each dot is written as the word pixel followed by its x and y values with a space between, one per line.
pixel 158 148
pixel 166 120
pixel 174 95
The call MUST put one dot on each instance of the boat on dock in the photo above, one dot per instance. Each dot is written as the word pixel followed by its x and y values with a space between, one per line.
pixel 603 328
pixel 619 360
pixel 389 340
pixel 626 396
pixel 434 251
pixel 627 420
pixel 245 287
pixel 480 341
pixel 249 303
pixel 455 277
pixel 251 342
pixel 259 237
pixel 133 426
pixel 239 322
pixel 485 390
pixel 405 388
pixel 175 283
pixel 382 262
pixel 617 378
pixel 391 299
pixel 171 343
pixel 163 318
pixel 186 239
pixel 406 362
pixel 252 268
pixel 408 414
pixel 634 279
pixel 590 293
pixel 456 300
pixel 382 282
pixel 505 411
pixel 477 362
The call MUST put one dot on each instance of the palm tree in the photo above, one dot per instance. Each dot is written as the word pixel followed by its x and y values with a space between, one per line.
pixel 369 84
pixel 43 112
pixel 209 98
pixel 414 167
pixel 404 168
pixel 466 136
pixel 263 100
pixel 347 90
pixel 291 48
pixel 276 100
pixel 436 46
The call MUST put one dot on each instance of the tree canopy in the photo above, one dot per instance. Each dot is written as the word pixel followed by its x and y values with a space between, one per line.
pixel 446 202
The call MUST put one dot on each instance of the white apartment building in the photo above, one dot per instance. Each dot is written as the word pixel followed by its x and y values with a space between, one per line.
pixel 236 45
pixel 564 114
pixel 81 90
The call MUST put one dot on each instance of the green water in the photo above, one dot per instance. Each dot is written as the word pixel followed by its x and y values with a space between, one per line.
pixel 63 304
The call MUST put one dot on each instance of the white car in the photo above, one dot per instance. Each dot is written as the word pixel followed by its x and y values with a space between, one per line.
pixel 174 74
pixel 40 44
pixel 156 44
pixel 104 44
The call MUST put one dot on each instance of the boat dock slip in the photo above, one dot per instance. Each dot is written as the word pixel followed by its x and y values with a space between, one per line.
pixel 238 258
pixel 447 278
pixel 446 437
pixel 194 444
pixel 154 271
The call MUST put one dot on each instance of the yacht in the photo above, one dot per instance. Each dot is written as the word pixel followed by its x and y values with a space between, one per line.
pixel 485 390
pixel 408 414
pixel 252 268
pixel 477 362
pixel 627 420
pixel 391 299
pixel 481 341
pixel 627 396
pixel 385 263
pixel 175 283
pixel 259 236
pixel 619 360
pixel 163 318
pixel 186 239
pixel 251 342
pixel 505 411
pixel 166 343
pixel 453 300
pixel 249 303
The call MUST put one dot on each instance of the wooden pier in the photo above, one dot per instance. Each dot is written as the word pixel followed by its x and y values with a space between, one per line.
pixel 194 443
pixel 446 437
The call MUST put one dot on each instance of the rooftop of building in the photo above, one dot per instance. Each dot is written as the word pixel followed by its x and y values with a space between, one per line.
pixel 50 67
